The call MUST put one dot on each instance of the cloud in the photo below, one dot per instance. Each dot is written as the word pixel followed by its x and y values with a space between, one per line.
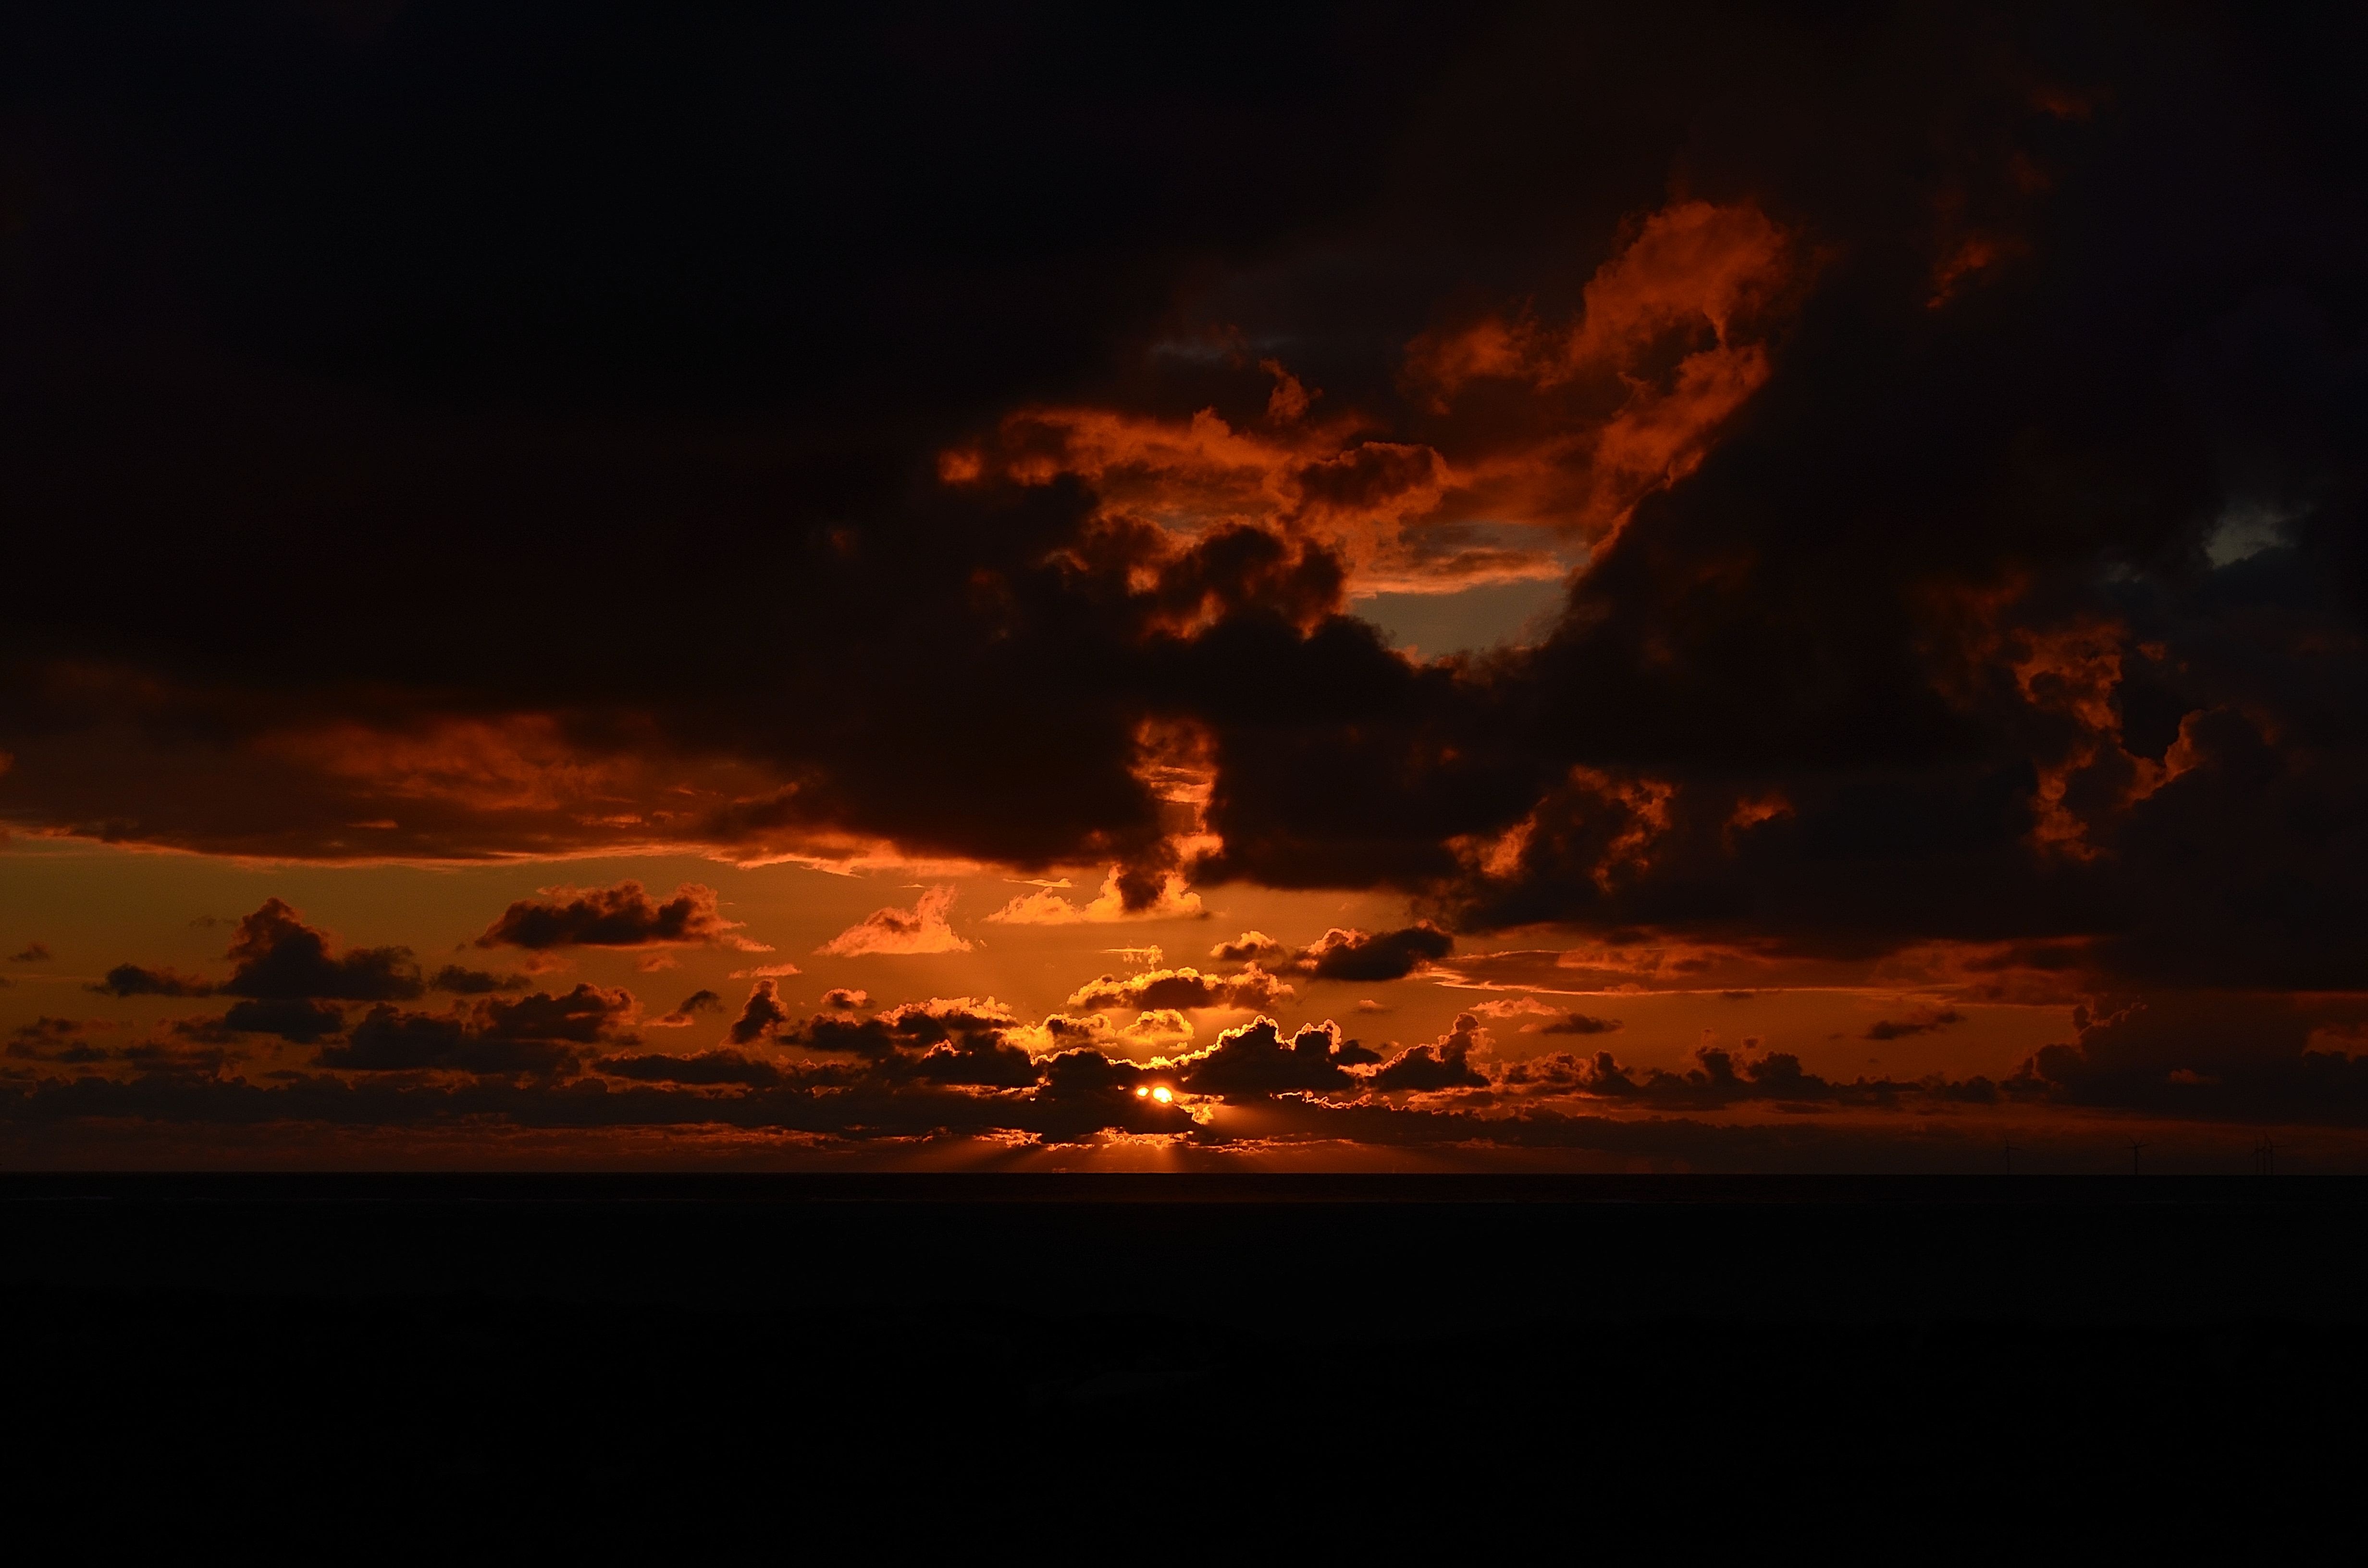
pixel 1356 955
pixel 764 970
pixel 32 952
pixel 2247 1057
pixel 275 956
pixel 687 1011
pixel 1186 990
pixel 1171 900
pixel 619 916
pixel 292 1018
pixel 761 1016
pixel 1901 1029
pixel 537 1034
pixel 1254 1061
pixel 1575 1023
pixel 1159 1032
pixel 840 998
pixel 1443 1064
pixel 462 982
pixel 1249 945
pixel 920 929
pixel 54 1041
pixel 706 1067
pixel 1557 1020
pixel 131 980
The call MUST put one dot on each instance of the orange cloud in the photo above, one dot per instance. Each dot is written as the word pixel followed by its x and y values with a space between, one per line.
pixel 1046 907
pixel 1568 426
pixel 920 929
pixel 1185 989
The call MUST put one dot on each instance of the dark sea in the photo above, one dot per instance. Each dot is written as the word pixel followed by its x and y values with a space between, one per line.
pixel 1342 1364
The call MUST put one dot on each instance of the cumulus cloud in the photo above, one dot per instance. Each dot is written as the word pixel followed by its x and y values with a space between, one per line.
pixel 1254 1061
pixel 1249 946
pixel 1159 1032
pixel 923 928
pixel 761 1016
pixel 1186 990
pixel 1442 1064
pixel 277 957
pixel 1171 900
pixel 619 916
pixel 845 999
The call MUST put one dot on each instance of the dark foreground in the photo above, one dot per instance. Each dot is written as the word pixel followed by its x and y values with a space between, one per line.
pixel 1173 1365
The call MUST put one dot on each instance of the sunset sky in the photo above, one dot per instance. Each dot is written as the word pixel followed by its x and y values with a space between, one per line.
pixel 1564 588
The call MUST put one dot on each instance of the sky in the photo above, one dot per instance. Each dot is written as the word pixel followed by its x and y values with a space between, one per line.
pixel 1383 587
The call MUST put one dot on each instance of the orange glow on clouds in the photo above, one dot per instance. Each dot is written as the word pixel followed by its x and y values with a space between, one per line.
pixel 1622 401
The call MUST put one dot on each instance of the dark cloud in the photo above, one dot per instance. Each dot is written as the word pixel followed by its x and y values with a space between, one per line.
pixel 291 1018
pixel 1249 946
pixel 1254 1061
pixel 1901 1029
pixel 2251 1057
pixel 1442 1064
pixel 839 999
pixel 57 1041
pixel 620 917
pixel 1577 1023
pixel 536 1034
pixel 706 1067
pixel 1187 990
pixel 761 1015
pixel 950 1067
pixel 131 980
pixel 32 952
pixel 687 1011
pixel 1382 955
pixel 463 982
pixel 277 957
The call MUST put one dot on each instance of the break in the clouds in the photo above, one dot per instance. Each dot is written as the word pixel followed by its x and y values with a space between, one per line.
pixel 1928 445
